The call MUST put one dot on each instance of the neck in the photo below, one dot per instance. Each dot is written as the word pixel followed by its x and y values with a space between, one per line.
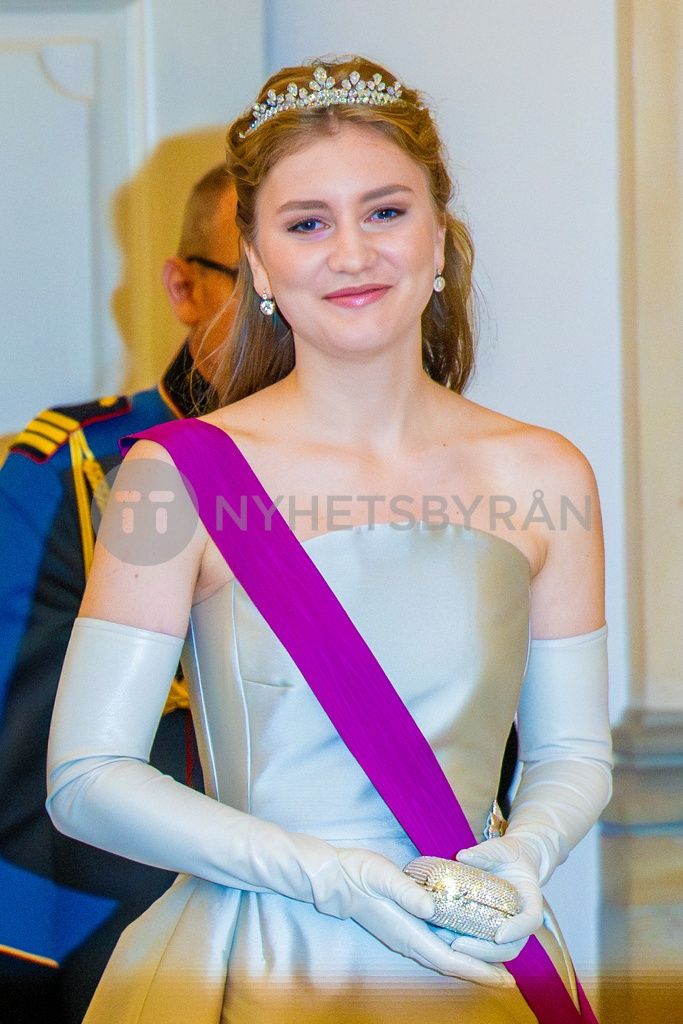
pixel 377 401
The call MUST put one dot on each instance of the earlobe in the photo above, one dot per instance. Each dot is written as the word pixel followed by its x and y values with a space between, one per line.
pixel 258 273
pixel 440 246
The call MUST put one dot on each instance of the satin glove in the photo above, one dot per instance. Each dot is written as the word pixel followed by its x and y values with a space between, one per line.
pixel 565 745
pixel 102 791
pixel 511 858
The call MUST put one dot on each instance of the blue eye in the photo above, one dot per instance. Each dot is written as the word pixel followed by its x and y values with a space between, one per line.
pixel 387 213
pixel 305 227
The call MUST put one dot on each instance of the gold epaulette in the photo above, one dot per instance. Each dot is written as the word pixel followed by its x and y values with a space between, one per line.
pixel 50 429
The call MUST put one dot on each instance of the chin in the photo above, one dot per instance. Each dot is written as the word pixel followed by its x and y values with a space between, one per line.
pixel 369 333
pixel 362 343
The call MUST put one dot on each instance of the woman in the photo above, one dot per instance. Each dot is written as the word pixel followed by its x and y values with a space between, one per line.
pixel 343 390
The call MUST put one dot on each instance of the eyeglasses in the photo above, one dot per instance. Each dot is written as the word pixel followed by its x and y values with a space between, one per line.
pixel 222 268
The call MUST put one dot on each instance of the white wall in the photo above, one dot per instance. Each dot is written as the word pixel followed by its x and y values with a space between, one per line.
pixel 203 62
pixel 116 109
pixel 525 96
pixel 62 73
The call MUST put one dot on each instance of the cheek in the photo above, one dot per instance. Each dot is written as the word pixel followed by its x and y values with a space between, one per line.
pixel 292 286
pixel 294 272
pixel 415 248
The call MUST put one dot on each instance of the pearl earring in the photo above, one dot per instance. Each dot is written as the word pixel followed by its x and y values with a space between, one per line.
pixel 267 304
pixel 439 283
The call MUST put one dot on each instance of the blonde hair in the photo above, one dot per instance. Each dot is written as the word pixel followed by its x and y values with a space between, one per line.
pixel 260 350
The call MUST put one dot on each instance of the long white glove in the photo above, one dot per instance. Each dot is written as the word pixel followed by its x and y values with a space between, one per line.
pixel 565 744
pixel 102 791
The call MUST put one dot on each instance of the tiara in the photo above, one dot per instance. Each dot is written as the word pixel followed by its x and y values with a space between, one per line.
pixel 323 92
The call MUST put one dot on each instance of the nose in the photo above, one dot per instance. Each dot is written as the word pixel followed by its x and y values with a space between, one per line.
pixel 351 249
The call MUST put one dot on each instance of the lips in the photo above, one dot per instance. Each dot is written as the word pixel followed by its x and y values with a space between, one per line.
pixel 361 295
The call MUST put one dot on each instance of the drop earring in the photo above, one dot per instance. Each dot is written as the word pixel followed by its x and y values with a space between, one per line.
pixel 267 304
pixel 439 283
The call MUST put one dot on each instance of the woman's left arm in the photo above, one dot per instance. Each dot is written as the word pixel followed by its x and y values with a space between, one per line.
pixel 564 735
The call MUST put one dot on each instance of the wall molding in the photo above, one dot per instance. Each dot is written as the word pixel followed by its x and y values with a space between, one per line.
pixel 651 151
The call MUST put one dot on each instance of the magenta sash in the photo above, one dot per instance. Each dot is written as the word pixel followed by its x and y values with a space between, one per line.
pixel 295 600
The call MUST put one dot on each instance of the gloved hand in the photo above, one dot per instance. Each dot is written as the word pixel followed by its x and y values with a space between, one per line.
pixel 376 894
pixel 512 858
pixel 565 745
pixel 102 791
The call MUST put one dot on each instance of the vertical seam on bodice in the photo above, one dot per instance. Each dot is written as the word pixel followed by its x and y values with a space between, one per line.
pixel 199 697
pixel 528 639
pixel 243 697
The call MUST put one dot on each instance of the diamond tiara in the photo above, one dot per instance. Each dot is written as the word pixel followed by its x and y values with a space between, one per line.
pixel 323 92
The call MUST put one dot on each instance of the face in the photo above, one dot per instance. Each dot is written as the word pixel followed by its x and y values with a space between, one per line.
pixel 348 242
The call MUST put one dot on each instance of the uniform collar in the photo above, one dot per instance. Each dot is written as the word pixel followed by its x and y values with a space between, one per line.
pixel 183 388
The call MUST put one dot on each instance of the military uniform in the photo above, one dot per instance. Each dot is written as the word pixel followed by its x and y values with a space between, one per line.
pixel 57 942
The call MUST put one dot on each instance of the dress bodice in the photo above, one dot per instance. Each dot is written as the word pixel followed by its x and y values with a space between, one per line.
pixel 446 613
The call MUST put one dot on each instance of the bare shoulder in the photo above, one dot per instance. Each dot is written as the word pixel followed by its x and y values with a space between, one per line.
pixel 562 512
pixel 147 467
pixel 146 449
pixel 548 454
pixel 530 455
pixel 547 485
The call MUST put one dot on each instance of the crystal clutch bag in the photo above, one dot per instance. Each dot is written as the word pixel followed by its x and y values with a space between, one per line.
pixel 467 900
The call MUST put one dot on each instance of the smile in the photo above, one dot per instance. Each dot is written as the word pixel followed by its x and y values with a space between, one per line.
pixel 364 295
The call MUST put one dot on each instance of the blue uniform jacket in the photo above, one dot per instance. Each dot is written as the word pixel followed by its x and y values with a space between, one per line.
pixel 56 893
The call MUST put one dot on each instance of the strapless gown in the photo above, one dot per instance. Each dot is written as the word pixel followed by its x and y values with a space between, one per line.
pixel 446 612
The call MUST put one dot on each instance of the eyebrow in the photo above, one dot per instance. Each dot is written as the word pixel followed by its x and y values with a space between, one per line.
pixel 318 204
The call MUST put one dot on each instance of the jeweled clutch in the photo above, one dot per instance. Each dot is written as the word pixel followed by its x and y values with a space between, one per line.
pixel 467 900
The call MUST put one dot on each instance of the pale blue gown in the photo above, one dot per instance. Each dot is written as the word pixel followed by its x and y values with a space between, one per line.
pixel 446 612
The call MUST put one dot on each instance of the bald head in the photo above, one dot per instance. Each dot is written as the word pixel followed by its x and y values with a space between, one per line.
pixel 206 230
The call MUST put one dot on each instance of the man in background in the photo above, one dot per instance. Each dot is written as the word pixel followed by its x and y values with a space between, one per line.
pixel 64 904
